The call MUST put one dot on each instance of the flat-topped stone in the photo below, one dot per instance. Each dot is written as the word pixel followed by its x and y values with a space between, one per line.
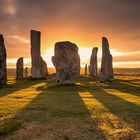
pixel 39 66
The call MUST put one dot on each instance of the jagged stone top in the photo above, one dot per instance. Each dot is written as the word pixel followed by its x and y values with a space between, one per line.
pixel 66 45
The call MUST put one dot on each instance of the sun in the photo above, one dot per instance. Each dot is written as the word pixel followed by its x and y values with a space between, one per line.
pixel 84 53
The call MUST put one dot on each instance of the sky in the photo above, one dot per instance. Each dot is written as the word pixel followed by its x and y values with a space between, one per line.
pixel 83 22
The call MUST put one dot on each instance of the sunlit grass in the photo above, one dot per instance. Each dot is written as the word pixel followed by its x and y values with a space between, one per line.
pixel 107 121
pixel 88 110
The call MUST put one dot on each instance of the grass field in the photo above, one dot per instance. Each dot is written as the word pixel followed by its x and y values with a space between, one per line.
pixel 88 110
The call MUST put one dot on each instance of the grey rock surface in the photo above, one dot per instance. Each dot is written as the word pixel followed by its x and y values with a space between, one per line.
pixel 111 66
pixel 93 62
pixel 67 62
pixel 19 68
pixel 26 72
pixel 39 66
pixel 106 64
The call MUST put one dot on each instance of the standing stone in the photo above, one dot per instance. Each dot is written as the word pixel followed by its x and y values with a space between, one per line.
pixel 43 68
pixel 3 56
pixel 86 69
pixel 93 62
pixel 26 72
pixel 111 67
pixel 39 66
pixel 19 68
pixel 106 64
pixel 67 62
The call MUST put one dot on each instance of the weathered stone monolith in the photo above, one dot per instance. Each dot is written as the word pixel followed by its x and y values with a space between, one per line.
pixel 19 68
pixel 3 56
pixel 93 62
pixel 106 64
pixel 111 66
pixel 86 68
pixel 39 66
pixel 67 62
pixel 43 68
pixel 26 72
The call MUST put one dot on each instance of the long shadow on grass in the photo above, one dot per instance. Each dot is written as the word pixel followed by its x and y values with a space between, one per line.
pixel 123 109
pixel 125 87
pixel 118 106
pixel 17 85
pixel 61 103
pixel 134 82
pixel 64 105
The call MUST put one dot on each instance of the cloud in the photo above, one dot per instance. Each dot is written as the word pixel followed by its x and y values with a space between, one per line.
pixel 18 38
pixel 106 13
pixel 84 20
pixel 10 7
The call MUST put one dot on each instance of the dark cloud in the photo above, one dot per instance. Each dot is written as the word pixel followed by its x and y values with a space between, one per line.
pixel 119 13
pixel 105 12
pixel 116 18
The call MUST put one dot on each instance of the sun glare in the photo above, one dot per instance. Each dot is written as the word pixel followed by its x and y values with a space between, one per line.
pixel 85 54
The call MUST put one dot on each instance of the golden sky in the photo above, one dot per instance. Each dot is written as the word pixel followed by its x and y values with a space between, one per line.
pixel 83 22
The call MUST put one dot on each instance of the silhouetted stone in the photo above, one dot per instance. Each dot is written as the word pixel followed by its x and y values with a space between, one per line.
pixel 111 67
pixel 39 66
pixel 26 72
pixel 44 69
pixel 106 64
pixel 3 56
pixel 93 62
pixel 19 68
pixel 67 62
pixel 86 69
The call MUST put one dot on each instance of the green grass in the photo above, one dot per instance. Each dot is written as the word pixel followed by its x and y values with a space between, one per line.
pixel 88 110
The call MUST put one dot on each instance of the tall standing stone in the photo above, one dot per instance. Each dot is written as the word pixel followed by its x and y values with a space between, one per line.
pixel 106 64
pixel 39 66
pixel 111 66
pixel 93 62
pixel 43 68
pixel 19 68
pixel 3 56
pixel 86 68
pixel 26 72
pixel 67 62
